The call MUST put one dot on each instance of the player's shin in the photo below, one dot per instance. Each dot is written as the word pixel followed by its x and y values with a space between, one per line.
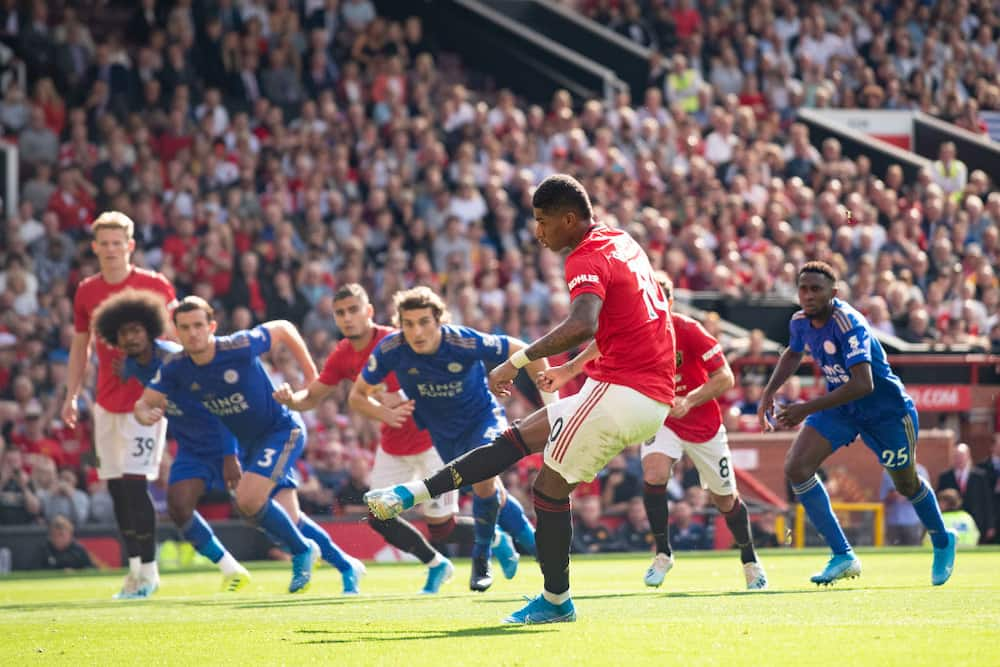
pixel 553 536
pixel 200 535
pixel 485 511
pixel 654 497
pixel 401 534
pixel 332 553
pixel 738 520
pixel 123 516
pixel 926 506
pixel 144 523
pixel 478 465
pixel 513 520
pixel 273 519
pixel 814 498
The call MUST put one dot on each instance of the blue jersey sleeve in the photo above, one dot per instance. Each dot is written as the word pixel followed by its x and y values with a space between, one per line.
pixel 164 380
pixel 795 341
pixel 471 345
pixel 379 364
pixel 246 344
pixel 856 345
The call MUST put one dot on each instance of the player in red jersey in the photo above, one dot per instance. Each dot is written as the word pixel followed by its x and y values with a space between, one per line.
pixel 128 453
pixel 695 428
pixel 406 452
pixel 627 396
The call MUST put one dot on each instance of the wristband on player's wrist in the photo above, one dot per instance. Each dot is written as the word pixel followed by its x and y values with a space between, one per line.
pixel 520 359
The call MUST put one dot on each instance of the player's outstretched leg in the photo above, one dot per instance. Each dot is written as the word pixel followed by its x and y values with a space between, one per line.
pixel 554 534
pixel 654 498
pixel 734 510
pixel 200 535
pixel 515 522
pixel 351 569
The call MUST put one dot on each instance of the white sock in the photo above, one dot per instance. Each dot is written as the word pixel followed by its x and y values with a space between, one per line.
pixel 555 598
pixel 419 491
pixel 228 564
pixel 134 564
pixel 437 560
pixel 149 571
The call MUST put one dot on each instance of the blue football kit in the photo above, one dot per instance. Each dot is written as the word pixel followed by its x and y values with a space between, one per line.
pixel 886 419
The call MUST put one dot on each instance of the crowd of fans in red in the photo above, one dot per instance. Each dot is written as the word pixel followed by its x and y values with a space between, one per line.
pixel 270 151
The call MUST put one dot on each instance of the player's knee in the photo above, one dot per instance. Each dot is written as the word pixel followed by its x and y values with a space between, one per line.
pixel 655 475
pixel 248 506
pixel 908 486
pixel 796 470
pixel 180 510
pixel 724 503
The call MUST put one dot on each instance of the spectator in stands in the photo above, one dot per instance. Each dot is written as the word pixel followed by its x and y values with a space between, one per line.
pixel 991 466
pixel 102 510
pixel 590 535
pixel 685 533
pixel 61 551
pixel 19 504
pixel 634 533
pixel 618 486
pixel 956 519
pixel 973 488
pixel 950 173
pixel 37 143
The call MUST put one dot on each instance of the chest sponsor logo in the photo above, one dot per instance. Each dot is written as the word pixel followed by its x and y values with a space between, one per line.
pixel 835 373
pixel 224 406
pixel 440 389
pixel 583 278
pixel 829 347
pixel 455 367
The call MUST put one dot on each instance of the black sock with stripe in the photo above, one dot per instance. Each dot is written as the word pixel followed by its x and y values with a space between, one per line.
pixel 479 464
pixel 553 534
pixel 654 497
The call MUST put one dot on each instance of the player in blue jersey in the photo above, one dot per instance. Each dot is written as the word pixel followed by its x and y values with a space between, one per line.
pixel 441 368
pixel 207 453
pixel 225 375
pixel 864 398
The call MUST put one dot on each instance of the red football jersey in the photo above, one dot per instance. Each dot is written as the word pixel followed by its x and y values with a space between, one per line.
pixel 345 363
pixel 698 355
pixel 112 394
pixel 634 332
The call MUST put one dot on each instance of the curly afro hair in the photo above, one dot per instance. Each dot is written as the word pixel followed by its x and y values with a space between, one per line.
pixel 142 306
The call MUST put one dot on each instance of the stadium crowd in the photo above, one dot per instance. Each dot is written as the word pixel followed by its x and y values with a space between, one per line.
pixel 271 151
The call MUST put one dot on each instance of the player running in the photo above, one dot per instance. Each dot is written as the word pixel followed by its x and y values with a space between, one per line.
pixel 207 453
pixel 405 452
pixel 128 453
pixel 225 375
pixel 441 367
pixel 627 396
pixel 864 398
pixel 695 428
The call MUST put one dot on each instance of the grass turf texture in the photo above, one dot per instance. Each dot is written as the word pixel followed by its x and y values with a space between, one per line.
pixel 701 616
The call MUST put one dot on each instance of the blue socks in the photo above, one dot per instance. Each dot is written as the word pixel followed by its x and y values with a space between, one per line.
pixel 812 494
pixel 275 521
pixel 332 554
pixel 513 520
pixel 200 535
pixel 926 505
pixel 484 511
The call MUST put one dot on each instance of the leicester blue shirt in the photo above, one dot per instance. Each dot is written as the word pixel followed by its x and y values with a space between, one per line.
pixel 448 387
pixel 844 341
pixel 194 428
pixel 233 386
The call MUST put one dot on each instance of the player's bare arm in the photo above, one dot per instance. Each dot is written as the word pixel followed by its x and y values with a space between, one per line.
pixel 303 399
pixel 150 407
pixel 364 400
pixel 860 385
pixel 788 363
pixel 579 326
pixel 553 379
pixel 75 371
pixel 284 332
pixel 719 382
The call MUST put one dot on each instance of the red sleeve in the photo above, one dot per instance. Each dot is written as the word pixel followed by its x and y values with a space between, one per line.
pixel 587 274
pixel 333 370
pixel 81 313
pixel 706 347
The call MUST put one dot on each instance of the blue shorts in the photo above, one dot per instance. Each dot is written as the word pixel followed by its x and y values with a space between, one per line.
pixel 893 440
pixel 275 456
pixel 483 434
pixel 191 466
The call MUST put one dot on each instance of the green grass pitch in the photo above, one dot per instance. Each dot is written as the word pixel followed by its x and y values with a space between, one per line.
pixel 701 616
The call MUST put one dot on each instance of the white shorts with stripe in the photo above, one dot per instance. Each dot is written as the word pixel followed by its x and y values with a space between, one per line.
pixel 587 429
pixel 390 469
pixel 126 447
pixel 713 459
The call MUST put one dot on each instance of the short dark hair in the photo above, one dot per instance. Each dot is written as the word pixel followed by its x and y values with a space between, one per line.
pixel 560 192
pixel 351 290
pixel 416 298
pixel 189 304
pixel 665 283
pixel 821 268
pixel 131 305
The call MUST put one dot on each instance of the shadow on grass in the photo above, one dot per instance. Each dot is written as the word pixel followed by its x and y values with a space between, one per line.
pixel 377 635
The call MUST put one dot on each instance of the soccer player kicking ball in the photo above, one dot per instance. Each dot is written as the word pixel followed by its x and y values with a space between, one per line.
pixel 864 398
pixel 128 453
pixel 695 428
pixel 225 375
pixel 441 367
pixel 405 452
pixel 629 389
pixel 207 453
